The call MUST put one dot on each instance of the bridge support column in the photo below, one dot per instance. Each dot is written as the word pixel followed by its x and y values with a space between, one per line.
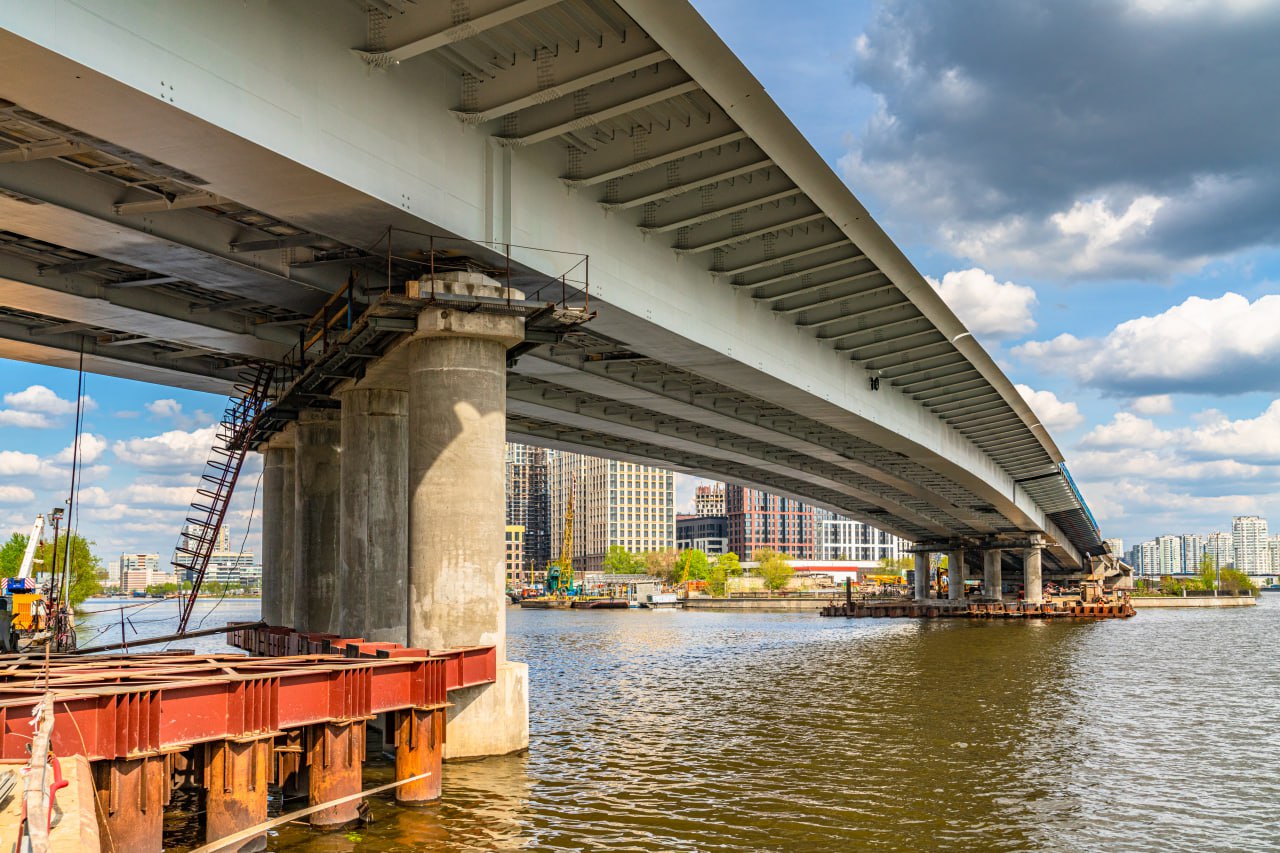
pixel 922 576
pixel 955 575
pixel 317 480
pixel 277 545
pixel 1033 593
pixel 457 430
pixel 992 582
pixel 372 602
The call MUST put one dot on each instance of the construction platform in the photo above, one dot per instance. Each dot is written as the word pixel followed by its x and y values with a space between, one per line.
pixel 233 726
pixel 943 608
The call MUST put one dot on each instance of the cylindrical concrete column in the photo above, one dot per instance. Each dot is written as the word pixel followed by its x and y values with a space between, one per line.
pixel 955 574
pixel 288 530
pixel 1033 594
pixel 992 582
pixel 457 572
pixel 317 481
pixel 272 568
pixel 457 429
pixel 922 576
pixel 373 602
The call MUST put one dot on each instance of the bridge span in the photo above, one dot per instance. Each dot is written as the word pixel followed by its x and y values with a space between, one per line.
pixel 453 189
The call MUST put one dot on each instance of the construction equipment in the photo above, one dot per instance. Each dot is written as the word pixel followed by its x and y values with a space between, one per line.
pixel 560 579
pixel 22 602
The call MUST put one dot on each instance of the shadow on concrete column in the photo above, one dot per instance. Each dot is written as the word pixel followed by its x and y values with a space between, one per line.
pixel 992 582
pixel 457 573
pixel 955 575
pixel 277 490
pixel 317 477
pixel 374 508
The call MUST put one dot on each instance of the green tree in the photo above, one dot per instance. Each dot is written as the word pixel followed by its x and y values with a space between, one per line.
pixel 1236 582
pixel 692 565
pixel 722 568
pixel 84 565
pixel 162 588
pixel 11 555
pixel 620 561
pixel 774 568
pixel 662 564
pixel 892 566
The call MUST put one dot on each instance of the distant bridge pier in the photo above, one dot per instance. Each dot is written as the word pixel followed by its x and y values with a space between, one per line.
pixel 373 581
pixel 955 574
pixel 457 573
pixel 922 576
pixel 277 493
pixel 992 582
pixel 1033 592
pixel 317 484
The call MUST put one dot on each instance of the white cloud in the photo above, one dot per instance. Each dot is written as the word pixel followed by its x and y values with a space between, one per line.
pixel 172 449
pixel 1154 404
pixel 165 408
pixel 985 305
pixel 16 495
pixel 1225 345
pixel 91 448
pixel 1252 439
pixel 1053 413
pixel 145 494
pixel 38 398
pixel 1127 430
pixel 30 420
pixel 15 463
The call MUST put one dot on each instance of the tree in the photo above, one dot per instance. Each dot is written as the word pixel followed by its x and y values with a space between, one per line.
pixel 730 564
pixel 662 564
pixel 722 568
pixel 1236 582
pixel 774 569
pixel 11 555
pixel 620 561
pixel 692 565
pixel 84 565
pixel 892 566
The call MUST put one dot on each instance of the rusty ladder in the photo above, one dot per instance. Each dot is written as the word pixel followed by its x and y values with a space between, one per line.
pixel 222 469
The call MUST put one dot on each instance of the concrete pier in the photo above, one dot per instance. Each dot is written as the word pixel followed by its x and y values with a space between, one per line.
pixel 317 482
pixel 286 527
pixel 273 499
pixel 955 575
pixel 992 582
pixel 922 576
pixel 457 430
pixel 1033 592
pixel 372 601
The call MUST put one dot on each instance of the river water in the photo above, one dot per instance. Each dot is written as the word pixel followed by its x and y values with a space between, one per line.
pixel 669 730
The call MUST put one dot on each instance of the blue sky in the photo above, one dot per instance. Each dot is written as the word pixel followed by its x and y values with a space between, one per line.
pixel 1091 186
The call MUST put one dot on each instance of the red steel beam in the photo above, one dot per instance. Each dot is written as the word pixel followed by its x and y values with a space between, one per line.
pixel 131 706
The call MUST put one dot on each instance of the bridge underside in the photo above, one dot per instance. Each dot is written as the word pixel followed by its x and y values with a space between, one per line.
pixel 175 251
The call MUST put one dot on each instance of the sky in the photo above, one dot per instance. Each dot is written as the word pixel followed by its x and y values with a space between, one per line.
pixel 1091 187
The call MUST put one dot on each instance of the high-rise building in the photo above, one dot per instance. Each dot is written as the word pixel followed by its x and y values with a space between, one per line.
pixel 518 572
pixel 1169 555
pixel 1219 547
pixel 1145 558
pixel 1249 541
pixel 706 533
pixel 1194 546
pixel 708 500
pixel 1273 552
pixel 1116 546
pixel 759 520
pixel 840 538
pixel 529 502
pixel 615 503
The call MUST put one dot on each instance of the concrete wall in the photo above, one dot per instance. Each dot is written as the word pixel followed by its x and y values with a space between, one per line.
pixel 1194 601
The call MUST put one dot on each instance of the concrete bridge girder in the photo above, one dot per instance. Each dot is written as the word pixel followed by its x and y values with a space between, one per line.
pixel 231 145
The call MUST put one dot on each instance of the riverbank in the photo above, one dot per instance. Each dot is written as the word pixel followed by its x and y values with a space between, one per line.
pixel 759 605
pixel 1141 602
